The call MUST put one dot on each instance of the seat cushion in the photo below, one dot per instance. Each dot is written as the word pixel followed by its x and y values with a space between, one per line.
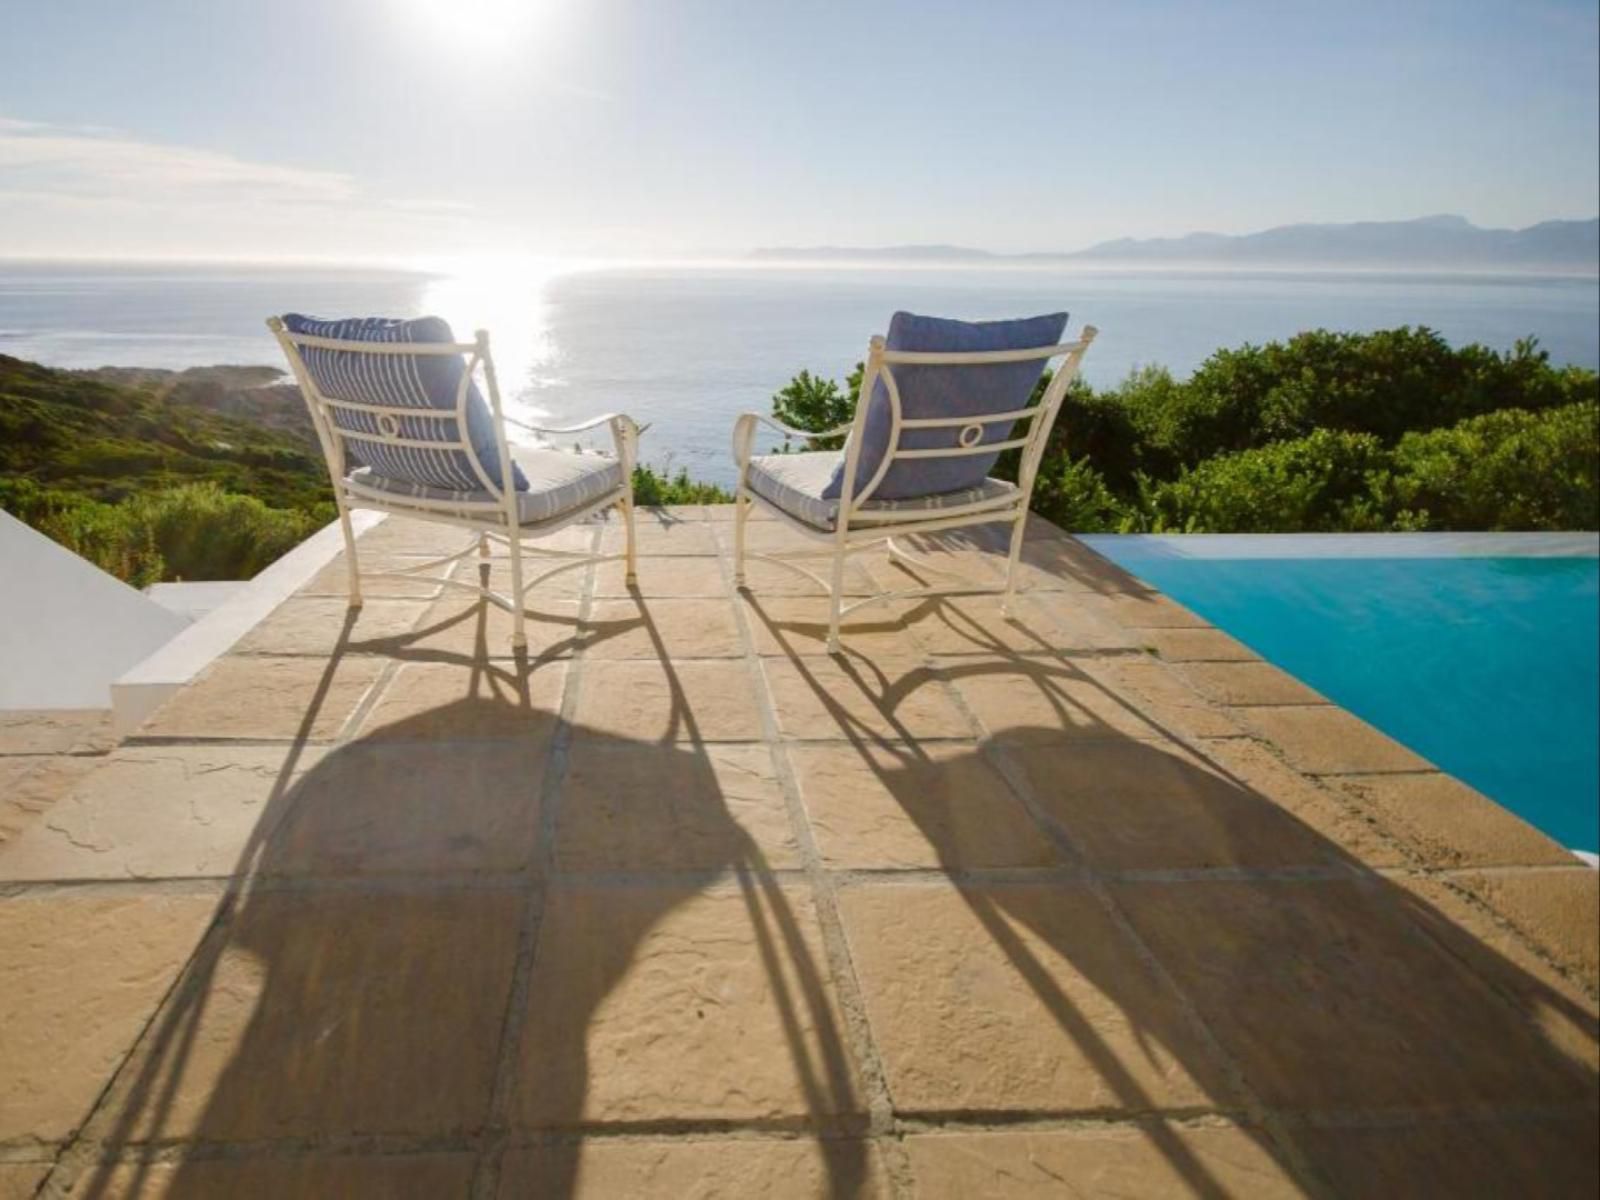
pixel 947 392
pixel 795 483
pixel 403 381
pixel 559 481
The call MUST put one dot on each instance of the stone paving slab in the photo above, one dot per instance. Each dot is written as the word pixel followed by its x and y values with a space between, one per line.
pixel 1554 909
pixel 711 700
pixel 55 731
pixel 1131 805
pixel 569 583
pixel 279 699
pixel 1347 832
pixel 321 1013
pixel 1158 692
pixel 787 1169
pixel 31 783
pixel 82 973
pixel 1195 645
pixel 627 806
pixel 1248 683
pixel 434 701
pixel 334 579
pixel 1019 998
pixel 162 812
pixel 793 626
pixel 20 1181
pixel 826 698
pixel 418 808
pixel 1046 700
pixel 318 626
pixel 977 908
pixel 908 806
pixel 1270 964
pixel 663 628
pixel 1150 1159
pixel 1558 1157
pixel 1324 740
pixel 1444 823
pixel 654 1004
pixel 1559 1006
pixel 460 627
pixel 350 1177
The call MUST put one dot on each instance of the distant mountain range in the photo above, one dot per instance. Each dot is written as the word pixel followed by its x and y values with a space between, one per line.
pixel 1449 243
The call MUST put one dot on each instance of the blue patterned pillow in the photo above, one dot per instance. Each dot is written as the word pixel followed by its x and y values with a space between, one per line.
pixel 403 380
pixel 947 392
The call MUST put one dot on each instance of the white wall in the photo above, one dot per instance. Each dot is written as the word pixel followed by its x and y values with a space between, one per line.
pixel 67 629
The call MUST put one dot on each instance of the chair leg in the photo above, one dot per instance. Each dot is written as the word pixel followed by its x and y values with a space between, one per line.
pixel 1017 528
pixel 835 601
pixel 519 635
pixel 741 516
pixel 632 577
pixel 350 562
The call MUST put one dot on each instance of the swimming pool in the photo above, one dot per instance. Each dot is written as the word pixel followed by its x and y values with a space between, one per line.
pixel 1480 652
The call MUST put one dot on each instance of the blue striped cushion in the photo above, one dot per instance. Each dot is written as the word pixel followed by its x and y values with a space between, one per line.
pixel 562 481
pixel 796 483
pixel 947 392
pixel 406 381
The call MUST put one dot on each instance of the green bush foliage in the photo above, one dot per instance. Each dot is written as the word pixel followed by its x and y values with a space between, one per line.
pixel 149 490
pixel 653 488
pixel 193 531
pixel 1511 470
pixel 1393 430
pixel 811 402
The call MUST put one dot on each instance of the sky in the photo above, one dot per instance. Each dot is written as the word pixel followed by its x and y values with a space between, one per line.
pixel 407 131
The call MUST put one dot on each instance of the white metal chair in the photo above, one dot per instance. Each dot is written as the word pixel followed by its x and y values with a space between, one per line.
pixel 378 402
pixel 790 485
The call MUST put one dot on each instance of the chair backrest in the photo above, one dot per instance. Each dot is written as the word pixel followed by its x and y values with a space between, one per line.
pixel 918 444
pixel 399 397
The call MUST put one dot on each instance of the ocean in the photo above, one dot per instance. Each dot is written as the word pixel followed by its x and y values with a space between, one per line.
pixel 685 348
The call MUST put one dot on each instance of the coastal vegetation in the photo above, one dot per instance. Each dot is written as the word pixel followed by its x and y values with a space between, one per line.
pixel 1325 432
pixel 140 473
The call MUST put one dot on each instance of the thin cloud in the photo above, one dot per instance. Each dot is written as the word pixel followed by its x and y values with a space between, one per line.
pixel 66 189
pixel 74 162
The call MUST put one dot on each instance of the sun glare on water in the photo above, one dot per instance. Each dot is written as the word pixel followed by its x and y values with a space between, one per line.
pixel 510 299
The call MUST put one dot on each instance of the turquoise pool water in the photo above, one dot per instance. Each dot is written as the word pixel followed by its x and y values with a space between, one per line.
pixel 1490 667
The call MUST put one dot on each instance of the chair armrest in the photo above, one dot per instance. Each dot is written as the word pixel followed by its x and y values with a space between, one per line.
pixel 791 431
pixel 581 427
pixel 744 432
pixel 624 433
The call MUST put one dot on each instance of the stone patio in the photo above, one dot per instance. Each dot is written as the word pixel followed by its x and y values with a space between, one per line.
pixel 1092 903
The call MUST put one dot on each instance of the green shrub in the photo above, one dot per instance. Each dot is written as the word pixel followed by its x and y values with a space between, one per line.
pixel 197 531
pixel 1324 431
pixel 203 532
pixel 652 488
pixel 1318 483
pixel 811 402
pixel 1511 470
pixel 1074 495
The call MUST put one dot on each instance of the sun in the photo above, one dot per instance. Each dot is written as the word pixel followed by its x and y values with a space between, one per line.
pixel 480 25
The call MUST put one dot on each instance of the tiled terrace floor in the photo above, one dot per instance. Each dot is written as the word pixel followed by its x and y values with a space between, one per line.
pixel 1089 904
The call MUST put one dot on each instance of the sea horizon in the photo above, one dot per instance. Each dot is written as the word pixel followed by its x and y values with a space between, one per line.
pixel 686 345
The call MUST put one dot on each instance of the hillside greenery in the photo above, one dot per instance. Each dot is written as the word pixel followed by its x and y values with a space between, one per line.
pixel 1394 430
pixel 150 489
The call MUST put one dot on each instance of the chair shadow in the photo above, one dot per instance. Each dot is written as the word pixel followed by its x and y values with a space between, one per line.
pixel 1465 1026
pixel 371 933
